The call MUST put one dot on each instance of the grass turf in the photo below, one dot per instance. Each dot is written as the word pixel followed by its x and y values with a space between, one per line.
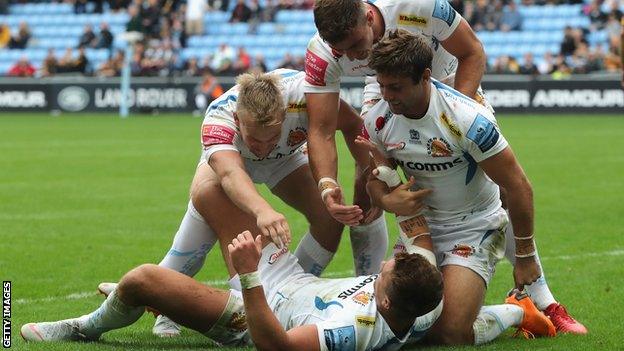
pixel 84 198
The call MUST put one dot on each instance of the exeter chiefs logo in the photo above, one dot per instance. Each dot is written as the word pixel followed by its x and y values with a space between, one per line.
pixel 438 147
pixel 297 136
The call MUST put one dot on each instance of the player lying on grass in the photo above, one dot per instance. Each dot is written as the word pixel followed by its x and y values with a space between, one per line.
pixel 347 30
pixel 282 307
pixel 451 145
pixel 256 133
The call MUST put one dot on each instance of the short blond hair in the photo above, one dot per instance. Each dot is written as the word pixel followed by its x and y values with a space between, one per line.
pixel 260 97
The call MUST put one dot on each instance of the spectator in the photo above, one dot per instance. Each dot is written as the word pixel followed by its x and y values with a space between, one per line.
pixel 579 60
pixel 80 6
pixel 287 62
pixel 613 25
pixel 614 9
pixel 65 60
pixel 87 38
pixel 494 15
pixel 269 12
pixel 195 10
pixel 597 18
pixel 479 15
pixel 207 91
pixel 241 12
pixel 243 62
pixel 22 68
pixel 112 67
pixel 5 35
pixel 612 60
pixel 105 37
pixel 151 18
pixel 505 65
pixel 116 5
pixel 511 19
pixel 259 64
pixel 81 63
pixel 568 45
pixel 4 7
pixel 135 24
pixel 547 66
pixel 48 67
pixel 528 66
pixel 595 60
pixel 20 40
pixel 178 35
pixel 255 16
pixel 192 68
pixel 223 59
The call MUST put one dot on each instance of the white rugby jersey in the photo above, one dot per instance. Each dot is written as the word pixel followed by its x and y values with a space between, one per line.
pixel 219 130
pixel 345 313
pixel 441 150
pixel 436 20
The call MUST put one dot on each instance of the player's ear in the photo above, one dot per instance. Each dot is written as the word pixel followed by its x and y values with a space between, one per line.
pixel 426 75
pixel 369 17
pixel 386 303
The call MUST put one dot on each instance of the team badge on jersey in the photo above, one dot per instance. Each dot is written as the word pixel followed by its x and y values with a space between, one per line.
pixel 297 136
pixel 444 11
pixel 237 322
pixel 362 298
pixel 463 250
pixel 414 137
pixel 483 133
pixel 340 339
pixel 438 147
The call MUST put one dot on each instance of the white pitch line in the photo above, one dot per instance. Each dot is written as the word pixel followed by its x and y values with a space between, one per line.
pixel 222 282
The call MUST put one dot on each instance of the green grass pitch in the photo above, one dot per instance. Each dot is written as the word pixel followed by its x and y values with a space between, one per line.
pixel 85 198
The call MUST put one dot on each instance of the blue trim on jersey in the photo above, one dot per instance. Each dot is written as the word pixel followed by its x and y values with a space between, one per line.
pixel 487 234
pixel 322 305
pixel 443 86
pixel 443 10
pixel 174 252
pixel 290 73
pixel 221 102
pixel 472 167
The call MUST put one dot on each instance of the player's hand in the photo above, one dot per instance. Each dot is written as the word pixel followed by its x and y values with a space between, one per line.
pixel 404 202
pixel 377 158
pixel 346 214
pixel 245 252
pixel 525 272
pixel 274 225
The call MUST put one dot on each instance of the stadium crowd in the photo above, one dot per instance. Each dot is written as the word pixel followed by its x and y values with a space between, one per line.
pixel 167 24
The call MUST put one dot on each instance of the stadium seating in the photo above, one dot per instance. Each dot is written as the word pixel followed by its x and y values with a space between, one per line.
pixel 55 26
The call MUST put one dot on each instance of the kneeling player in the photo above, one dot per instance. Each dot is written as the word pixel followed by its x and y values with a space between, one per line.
pixel 254 133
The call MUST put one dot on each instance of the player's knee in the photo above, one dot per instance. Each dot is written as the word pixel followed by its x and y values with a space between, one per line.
pixel 451 333
pixel 202 190
pixel 137 280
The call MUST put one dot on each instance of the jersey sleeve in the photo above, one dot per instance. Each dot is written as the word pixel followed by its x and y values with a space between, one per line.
pixel 322 70
pixel 482 136
pixel 219 130
pixel 444 19
pixel 335 336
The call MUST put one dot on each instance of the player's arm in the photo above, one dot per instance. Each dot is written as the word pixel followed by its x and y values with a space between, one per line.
pixel 504 170
pixel 265 330
pixel 622 48
pixel 235 181
pixel 323 116
pixel 466 47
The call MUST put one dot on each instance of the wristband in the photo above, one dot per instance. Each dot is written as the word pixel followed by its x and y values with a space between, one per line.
pixel 250 280
pixel 323 183
pixel 388 176
pixel 530 254
pixel 530 237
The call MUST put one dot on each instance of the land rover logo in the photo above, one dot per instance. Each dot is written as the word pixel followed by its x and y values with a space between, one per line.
pixel 73 99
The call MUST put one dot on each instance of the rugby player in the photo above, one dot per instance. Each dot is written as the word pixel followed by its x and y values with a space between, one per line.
pixel 451 145
pixel 255 133
pixel 281 308
pixel 347 30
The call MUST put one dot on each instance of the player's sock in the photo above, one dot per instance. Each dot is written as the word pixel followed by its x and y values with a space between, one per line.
pixel 112 314
pixel 493 320
pixel 191 244
pixel 369 244
pixel 312 257
pixel 539 291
